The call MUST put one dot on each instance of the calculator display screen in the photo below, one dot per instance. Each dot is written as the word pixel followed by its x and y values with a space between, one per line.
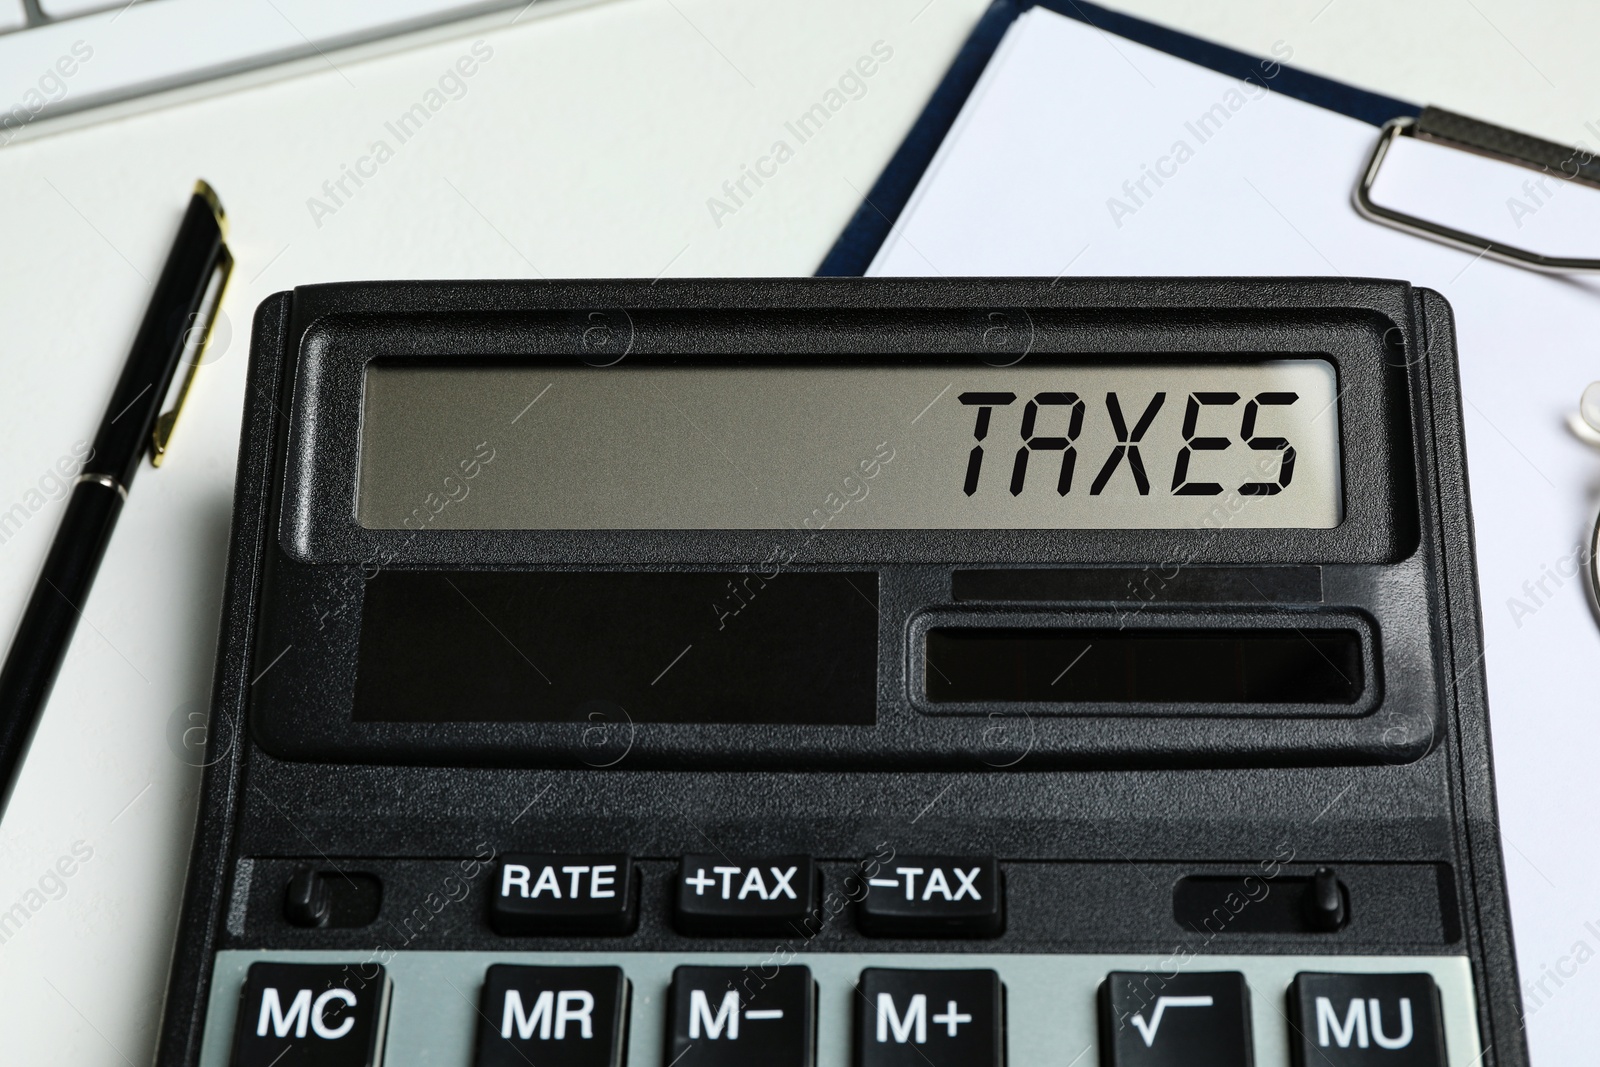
pixel 904 447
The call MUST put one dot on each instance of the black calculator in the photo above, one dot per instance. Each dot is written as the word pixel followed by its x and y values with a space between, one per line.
pixel 849 672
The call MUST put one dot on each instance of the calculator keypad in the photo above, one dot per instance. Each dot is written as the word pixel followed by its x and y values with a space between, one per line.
pixel 656 1009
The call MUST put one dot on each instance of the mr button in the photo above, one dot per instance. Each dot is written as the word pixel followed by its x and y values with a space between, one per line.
pixel 311 1015
pixel 736 1016
pixel 1179 1020
pixel 745 895
pixel 552 1016
pixel 930 1019
pixel 1366 1020
pixel 933 896
pixel 549 893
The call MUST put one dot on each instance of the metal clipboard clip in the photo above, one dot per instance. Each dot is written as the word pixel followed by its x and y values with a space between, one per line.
pixel 1495 142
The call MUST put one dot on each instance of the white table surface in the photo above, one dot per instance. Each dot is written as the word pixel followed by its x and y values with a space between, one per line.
pixel 586 145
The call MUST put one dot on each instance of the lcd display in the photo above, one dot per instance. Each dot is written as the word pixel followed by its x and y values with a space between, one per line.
pixel 905 447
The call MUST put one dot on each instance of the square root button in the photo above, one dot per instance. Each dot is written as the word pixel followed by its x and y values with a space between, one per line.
pixel 914 1018
pixel 1366 1020
pixel 745 894
pixel 563 894
pixel 311 1015
pixel 933 896
pixel 1151 1019
pixel 552 1016
pixel 742 1016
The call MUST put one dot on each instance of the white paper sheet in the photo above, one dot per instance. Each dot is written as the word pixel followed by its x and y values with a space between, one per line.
pixel 1047 171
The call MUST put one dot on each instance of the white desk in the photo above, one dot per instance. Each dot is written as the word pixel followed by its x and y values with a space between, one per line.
pixel 586 144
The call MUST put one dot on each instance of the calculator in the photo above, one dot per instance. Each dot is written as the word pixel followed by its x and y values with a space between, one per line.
pixel 830 672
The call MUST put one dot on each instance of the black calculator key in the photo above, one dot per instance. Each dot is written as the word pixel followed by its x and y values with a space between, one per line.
pixel 552 1016
pixel 311 1015
pixel 933 896
pixel 1357 1020
pixel 740 1016
pixel 910 1018
pixel 745 894
pixel 1150 1019
pixel 563 894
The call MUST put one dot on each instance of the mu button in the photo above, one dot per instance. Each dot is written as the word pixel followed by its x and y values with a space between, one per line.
pixel 563 894
pixel 552 1016
pixel 933 896
pixel 930 1019
pixel 311 1015
pixel 1357 1020
pixel 736 1016
pixel 1150 1019
pixel 745 894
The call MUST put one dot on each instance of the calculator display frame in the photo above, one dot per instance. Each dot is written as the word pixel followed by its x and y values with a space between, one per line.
pixel 1372 566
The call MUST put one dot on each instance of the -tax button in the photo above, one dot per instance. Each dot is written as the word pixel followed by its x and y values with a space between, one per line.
pixel 563 894
pixel 933 896
pixel 1366 1020
pixel 311 1015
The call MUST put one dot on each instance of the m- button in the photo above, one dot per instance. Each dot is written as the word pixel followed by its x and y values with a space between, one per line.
pixel 1366 1020
pixel 745 894
pixel 311 1015
pixel 933 896
pixel 930 1018
pixel 553 893
pixel 737 1016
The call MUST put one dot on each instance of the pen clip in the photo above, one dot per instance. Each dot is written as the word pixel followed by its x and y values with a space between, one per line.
pixel 197 334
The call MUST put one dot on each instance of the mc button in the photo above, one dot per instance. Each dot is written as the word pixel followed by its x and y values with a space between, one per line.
pixel 933 896
pixel 563 894
pixel 311 1015
pixel 1366 1020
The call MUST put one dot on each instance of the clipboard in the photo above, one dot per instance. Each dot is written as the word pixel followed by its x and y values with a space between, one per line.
pixel 853 251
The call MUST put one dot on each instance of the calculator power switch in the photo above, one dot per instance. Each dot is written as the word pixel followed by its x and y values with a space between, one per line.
pixel 932 896
pixel 1366 1020
pixel 563 894
pixel 1161 1019
pixel 311 1015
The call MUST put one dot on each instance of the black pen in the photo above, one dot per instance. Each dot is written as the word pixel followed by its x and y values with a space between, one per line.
pixel 177 321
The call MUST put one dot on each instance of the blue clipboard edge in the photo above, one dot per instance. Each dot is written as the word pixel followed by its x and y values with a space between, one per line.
pixel 873 221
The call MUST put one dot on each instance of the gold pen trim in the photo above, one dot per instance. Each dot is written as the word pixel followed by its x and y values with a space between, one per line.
pixel 198 334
